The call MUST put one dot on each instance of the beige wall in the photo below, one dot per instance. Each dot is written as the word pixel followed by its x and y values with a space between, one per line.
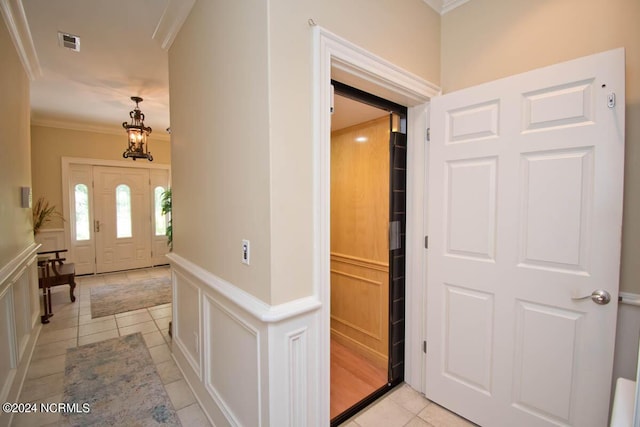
pixel 49 145
pixel 220 141
pixel 15 169
pixel 488 39
pixel 250 121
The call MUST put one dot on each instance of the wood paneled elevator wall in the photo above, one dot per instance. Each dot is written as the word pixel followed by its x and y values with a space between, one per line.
pixel 359 239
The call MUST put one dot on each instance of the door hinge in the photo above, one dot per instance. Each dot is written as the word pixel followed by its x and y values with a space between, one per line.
pixel 424 347
pixel 428 134
pixel 426 242
pixel 331 100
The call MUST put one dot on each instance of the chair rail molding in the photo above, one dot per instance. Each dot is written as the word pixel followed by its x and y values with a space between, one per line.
pixel 258 308
pixel 8 270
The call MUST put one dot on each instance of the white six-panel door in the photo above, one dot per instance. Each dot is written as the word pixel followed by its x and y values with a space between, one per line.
pixel 524 217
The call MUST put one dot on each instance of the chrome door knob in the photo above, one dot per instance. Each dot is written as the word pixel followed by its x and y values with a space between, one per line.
pixel 600 296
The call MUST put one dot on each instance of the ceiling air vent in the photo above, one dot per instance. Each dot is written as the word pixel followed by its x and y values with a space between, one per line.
pixel 69 41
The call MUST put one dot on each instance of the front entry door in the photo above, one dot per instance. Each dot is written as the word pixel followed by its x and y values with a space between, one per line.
pixel 122 214
pixel 524 220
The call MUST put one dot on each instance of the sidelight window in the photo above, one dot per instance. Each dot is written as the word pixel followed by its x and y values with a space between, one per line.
pixel 160 220
pixel 81 196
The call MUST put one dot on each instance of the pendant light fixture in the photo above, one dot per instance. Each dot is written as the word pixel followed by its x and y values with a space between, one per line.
pixel 137 134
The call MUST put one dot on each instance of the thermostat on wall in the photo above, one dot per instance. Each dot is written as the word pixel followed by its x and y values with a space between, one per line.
pixel 25 200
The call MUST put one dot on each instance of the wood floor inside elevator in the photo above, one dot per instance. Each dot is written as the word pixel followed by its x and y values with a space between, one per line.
pixel 352 378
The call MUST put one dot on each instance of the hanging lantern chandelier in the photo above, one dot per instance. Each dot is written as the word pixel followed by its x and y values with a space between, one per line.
pixel 137 134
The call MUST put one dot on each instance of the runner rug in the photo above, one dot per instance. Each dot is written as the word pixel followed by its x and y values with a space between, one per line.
pixel 115 383
pixel 118 298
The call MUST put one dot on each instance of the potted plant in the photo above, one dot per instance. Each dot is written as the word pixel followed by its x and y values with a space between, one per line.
pixel 165 204
pixel 43 213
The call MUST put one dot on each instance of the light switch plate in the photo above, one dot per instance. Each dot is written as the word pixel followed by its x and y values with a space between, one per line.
pixel 25 197
pixel 246 252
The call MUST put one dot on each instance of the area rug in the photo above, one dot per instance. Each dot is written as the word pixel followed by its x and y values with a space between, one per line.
pixel 114 383
pixel 118 298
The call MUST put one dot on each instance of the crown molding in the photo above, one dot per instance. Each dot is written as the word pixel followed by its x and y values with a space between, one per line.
pixel 171 21
pixel 16 20
pixel 89 127
pixel 444 6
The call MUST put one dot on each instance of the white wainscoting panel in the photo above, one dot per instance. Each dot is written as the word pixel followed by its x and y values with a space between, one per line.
pixel 625 359
pixel 232 363
pixel 8 346
pixel 50 239
pixel 186 324
pixel 260 363
pixel 294 370
pixel 19 323
pixel 34 295
pixel 627 337
pixel 297 380
pixel 22 311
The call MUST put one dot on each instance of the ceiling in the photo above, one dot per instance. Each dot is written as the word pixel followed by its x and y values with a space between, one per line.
pixel 347 112
pixel 123 52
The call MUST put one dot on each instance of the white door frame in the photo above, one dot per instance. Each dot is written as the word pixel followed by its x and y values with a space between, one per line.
pixel 340 59
pixel 68 161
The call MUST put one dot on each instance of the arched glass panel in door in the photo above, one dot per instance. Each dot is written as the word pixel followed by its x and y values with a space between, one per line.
pixel 123 211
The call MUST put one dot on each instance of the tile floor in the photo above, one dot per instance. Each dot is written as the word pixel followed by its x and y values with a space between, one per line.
pixel 405 407
pixel 72 326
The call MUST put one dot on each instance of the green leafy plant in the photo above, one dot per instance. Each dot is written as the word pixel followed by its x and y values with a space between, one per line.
pixel 165 204
pixel 43 213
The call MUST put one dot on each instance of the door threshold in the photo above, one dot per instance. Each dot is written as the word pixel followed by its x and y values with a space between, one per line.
pixel 364 403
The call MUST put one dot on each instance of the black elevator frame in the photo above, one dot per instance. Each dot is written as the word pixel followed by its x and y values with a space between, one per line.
pixel 397 257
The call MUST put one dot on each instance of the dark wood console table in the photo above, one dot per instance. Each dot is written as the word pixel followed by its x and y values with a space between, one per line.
pixel 53 271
